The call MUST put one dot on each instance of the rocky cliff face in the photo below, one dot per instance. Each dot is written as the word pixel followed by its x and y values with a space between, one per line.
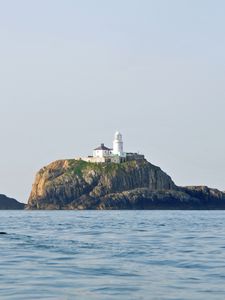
pixel 75 184
pixel 10 203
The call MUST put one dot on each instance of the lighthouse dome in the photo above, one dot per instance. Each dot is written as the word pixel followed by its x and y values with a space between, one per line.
pixel 118 135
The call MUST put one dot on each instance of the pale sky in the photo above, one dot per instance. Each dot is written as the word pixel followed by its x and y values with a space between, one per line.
pixel 73 72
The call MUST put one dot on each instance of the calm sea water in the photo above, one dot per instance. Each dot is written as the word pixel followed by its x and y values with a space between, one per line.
pixel 112 255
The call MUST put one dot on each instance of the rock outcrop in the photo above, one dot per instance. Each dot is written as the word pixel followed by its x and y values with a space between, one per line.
pixel 10 203
pixel 75 184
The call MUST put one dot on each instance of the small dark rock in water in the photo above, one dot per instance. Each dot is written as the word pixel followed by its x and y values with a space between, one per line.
pixel 2 232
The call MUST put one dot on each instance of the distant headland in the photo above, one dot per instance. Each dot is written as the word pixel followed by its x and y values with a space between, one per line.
pixel 10 203
pixel 114 179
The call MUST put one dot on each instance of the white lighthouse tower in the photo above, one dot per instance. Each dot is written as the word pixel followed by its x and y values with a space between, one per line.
pixel 118 145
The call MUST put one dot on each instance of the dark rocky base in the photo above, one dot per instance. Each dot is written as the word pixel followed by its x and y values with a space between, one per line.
pixel 189 198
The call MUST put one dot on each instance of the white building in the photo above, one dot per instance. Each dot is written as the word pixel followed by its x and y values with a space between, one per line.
pixel 104 154
pixel 102 151
pixel 118 145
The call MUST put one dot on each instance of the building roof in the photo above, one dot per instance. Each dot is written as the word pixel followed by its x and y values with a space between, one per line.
pixel 102 147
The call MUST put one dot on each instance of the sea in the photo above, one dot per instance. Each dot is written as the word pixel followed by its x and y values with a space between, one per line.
pixel 112 255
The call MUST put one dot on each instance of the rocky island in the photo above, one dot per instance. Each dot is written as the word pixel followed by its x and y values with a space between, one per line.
pixel 10 203
pixel 113 179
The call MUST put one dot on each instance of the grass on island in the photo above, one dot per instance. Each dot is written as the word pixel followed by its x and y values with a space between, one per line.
pixel 76 167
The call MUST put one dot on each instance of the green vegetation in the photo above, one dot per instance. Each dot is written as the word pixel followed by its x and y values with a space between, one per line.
pixel 77 167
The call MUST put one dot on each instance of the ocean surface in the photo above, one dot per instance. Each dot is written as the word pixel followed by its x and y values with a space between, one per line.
pixel 112 255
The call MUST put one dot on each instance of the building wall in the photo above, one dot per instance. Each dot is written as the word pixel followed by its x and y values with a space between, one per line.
pixel 94 159
pixel 134 156
pixel 101 153
pixel 113 158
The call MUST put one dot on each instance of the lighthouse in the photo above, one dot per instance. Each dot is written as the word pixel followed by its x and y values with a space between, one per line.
pixel 103 154
pixel 118 145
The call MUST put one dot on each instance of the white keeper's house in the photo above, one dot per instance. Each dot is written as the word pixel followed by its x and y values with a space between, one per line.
pixel 103 154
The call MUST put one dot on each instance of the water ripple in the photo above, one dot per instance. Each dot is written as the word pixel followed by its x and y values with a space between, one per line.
pixel 111 255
